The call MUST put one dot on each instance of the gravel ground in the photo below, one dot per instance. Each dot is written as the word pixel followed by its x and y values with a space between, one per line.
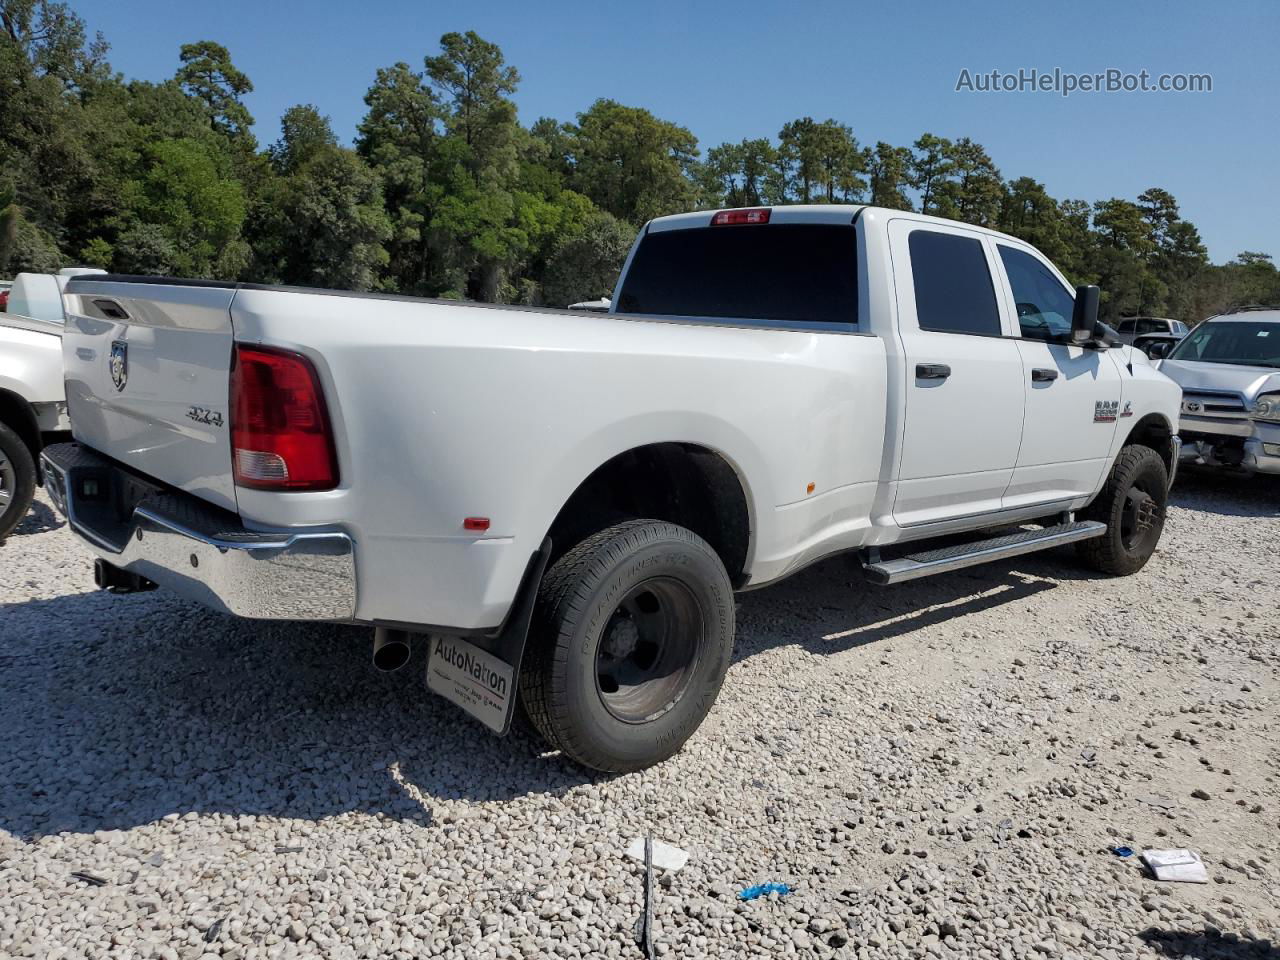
pixel 937 769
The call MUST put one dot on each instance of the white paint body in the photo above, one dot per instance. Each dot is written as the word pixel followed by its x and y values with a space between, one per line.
pixel 443 411
pixel 31 348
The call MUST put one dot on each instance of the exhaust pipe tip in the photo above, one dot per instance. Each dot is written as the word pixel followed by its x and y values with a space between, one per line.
pixel 107 576
pixel 391 649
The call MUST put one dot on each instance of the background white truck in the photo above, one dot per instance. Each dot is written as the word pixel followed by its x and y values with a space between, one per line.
pixel 564 503
pixel 33 410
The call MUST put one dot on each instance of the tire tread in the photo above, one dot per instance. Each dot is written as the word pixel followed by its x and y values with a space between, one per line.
pixel 25 468
pixel 562 601
pixel 1105 553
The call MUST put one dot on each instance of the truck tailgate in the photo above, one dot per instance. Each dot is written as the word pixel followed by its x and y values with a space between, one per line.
pixel 147 368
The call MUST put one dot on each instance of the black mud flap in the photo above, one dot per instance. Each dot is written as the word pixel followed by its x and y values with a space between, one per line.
pixel 481 674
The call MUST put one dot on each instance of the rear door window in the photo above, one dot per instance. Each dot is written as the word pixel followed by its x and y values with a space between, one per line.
pixel 803 274
pixel 953 288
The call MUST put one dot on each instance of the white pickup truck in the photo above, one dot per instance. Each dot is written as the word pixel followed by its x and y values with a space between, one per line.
pixel 33 410
pixel 560 505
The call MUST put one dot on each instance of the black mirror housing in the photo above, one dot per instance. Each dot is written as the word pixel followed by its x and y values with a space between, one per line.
pixel 1084 318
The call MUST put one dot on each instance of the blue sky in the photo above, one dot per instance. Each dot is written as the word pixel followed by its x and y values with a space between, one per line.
pixel 729 70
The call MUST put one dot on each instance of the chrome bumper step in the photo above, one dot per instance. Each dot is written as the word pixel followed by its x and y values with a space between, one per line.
pixel 946 559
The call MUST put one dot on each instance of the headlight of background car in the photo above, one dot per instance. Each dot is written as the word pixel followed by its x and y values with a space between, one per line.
pixel 1267 407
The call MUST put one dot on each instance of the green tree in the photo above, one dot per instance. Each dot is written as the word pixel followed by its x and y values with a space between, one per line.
pixel 974 188
pixel 53 39
pixel 208 75
pixel 1175 257
pixel 399 138
pixel 475 222
pixel 1120 260
pixel 1029 213
pixel 930 169
pixel 745 174
pixel 475 84
pixel 304 131
pixel 632 164
pixel 1078 241
pixel 324 225
pixel 553 142
pixel 585 264
pixel 186 209
pixel 9 217
pixel 46 69
pixel 888 169
pixel 822 161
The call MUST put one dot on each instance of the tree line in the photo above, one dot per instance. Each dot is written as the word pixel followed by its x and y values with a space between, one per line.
pixel 445 193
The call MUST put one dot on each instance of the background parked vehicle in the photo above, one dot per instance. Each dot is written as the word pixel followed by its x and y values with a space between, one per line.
pixel 599 305
pixel 4 294
pixel 33 409
pixel 1229 371
pixel 1131 327
pixel 1156 345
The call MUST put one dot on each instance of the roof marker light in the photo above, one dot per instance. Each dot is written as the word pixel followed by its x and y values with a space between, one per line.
pixel 726 218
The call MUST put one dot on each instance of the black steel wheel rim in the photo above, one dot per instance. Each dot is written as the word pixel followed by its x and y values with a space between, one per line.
pixel 648 650
pixel 1140 518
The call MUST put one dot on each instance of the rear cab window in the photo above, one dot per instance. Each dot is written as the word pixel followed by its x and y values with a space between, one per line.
pixel 953 288
pixel 779 274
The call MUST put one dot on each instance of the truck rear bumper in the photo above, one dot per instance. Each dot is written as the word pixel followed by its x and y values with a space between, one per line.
pixel 199 551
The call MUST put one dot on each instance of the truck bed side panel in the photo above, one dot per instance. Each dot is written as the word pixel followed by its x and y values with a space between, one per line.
pixel 443 412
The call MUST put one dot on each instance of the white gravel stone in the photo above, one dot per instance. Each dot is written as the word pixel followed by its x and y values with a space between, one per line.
pixel 252 790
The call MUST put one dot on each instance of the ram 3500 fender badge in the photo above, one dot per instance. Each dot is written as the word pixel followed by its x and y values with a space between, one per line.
pixel 1105 411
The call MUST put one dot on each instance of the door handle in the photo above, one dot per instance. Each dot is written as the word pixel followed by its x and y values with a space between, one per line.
pixel 1041 375
pixel 932 371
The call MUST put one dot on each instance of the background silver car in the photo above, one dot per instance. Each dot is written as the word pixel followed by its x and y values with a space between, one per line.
pixel 1229 371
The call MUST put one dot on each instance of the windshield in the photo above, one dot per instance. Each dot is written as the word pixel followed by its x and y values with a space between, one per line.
pixel 1248 343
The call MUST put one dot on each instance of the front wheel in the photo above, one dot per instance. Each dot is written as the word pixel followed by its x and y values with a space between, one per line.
pixel 1132 504
pixel 630 642
pixel 17 480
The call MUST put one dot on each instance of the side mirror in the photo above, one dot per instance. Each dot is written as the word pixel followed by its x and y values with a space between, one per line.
pixel 1084 318
pixel 1158 349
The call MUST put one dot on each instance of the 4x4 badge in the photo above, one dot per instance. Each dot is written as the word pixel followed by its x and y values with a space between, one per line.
pixel 119 363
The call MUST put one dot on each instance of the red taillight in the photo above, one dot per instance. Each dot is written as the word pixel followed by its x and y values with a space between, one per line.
pixel 727 218
pixel 280 433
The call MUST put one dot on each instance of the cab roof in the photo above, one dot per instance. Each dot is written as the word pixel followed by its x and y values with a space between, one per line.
pixel 830 213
